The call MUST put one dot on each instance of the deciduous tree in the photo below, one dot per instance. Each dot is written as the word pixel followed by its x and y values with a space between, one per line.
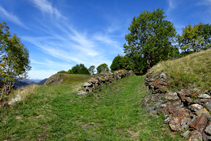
pixel 102 67
pixel 149 39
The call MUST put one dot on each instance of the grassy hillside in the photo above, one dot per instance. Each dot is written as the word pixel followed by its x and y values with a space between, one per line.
pixel 193 70
pixel 58 113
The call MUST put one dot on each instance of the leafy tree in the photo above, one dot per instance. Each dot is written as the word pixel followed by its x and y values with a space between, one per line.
pixel 79 69
pixel 91 69
pixel 121 62
pixel 102 67
pixel 149 40
pixel 192 38
pixel 116 63
pixel 14 58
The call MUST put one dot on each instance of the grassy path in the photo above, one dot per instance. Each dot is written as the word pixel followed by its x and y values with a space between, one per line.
pixel 57 113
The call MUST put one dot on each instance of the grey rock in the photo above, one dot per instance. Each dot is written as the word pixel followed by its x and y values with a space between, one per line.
pixel 172 96
pixel 208 116
pixel 196 107
pixel 186 134
pixel 15 99
pixel 86 84
pixel 164 75
pixel 150 109
pixel 82 93
pixel 208 130
pixel 204 96
pixel 166 121
pixel 208 105
pixel 195 136
pixel 197 90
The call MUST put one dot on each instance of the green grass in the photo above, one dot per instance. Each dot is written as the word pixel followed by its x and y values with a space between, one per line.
pixel 58 113
pixel 191 71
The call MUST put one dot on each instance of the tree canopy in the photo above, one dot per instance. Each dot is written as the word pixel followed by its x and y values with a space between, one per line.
pixel 149 40
pixel 79 69
pixel 14 56
pixel 121 62
pixel 91 69
pixel 102 67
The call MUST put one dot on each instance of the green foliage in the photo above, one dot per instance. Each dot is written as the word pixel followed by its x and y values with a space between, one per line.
pixel 195 38
pixel 121 62
pixel 14 56
pixel 149 40
pixel 91 69
pixel 102 67
pixel 62 71
pixel 79 69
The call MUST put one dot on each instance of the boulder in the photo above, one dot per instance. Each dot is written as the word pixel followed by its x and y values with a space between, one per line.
pixel 195 136
pixel 208 130
pixel 199 124
pixel 179 119
pixel 199 112
pixel 172 96
pixel 185 92
pixel 86 84
pixel 204 96
pixel 196 107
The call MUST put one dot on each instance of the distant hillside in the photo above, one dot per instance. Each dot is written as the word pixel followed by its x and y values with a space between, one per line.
pixel 193 70
pixel 42 82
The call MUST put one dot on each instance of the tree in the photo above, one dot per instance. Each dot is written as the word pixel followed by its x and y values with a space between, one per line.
pixel 91 69
pixel 195 38
pixel 102 67
pixel 149 40
pixel 79 69
pixel 14 58
pixel 116 63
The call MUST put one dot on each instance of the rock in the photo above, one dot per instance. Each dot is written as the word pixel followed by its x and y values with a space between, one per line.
pixel 176 103
pixel 196 107
pixel 202 101
pixel 164 75
pixel 185 92
pixel 86 84
pixel 199 124
pixel 208 116
pixel 195 136
pixel 206 137
pixel 15 99
pixel 208 105
pixel 82 93
pixel 204 96
pixel 186 134
pixel 197 90
pixel 208 130
pixel 179 119
pixel 150 109
pixel 166 121
pixel 172 96
pixel 199 112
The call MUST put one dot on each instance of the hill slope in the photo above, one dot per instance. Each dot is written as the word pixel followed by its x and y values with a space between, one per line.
pixel 193 70
pixel 58 113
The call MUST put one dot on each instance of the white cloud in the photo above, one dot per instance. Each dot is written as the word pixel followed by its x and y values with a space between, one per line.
pixel 46 7
pixel 10 17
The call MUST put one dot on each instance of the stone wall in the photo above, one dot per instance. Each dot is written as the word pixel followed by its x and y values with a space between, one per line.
pixel 186 110
pixel 102 78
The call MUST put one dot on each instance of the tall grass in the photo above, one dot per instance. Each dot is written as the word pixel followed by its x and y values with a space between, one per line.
pixel 193 70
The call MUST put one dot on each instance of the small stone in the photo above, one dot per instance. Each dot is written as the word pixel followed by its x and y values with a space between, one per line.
pixel 204 96
pixel 196 107
pixel 86 84
pixel 166 121
pixel 172 96
pixel 186 134
pixel 150 109
pixel 197 90
pixel 199 112
pixel 208 130
pixel 82 93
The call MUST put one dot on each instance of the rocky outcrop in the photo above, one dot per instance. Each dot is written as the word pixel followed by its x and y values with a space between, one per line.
pixel 105 77
pixel 186 109
pixel 54 80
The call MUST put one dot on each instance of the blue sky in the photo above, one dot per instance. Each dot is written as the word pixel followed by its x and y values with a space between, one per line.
pixel 62 33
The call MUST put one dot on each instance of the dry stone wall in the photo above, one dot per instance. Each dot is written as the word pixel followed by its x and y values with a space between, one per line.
pixel 102 78
pixel 186 110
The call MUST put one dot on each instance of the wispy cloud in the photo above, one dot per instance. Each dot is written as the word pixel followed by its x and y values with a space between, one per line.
pixel 9 16
pixel 46 7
